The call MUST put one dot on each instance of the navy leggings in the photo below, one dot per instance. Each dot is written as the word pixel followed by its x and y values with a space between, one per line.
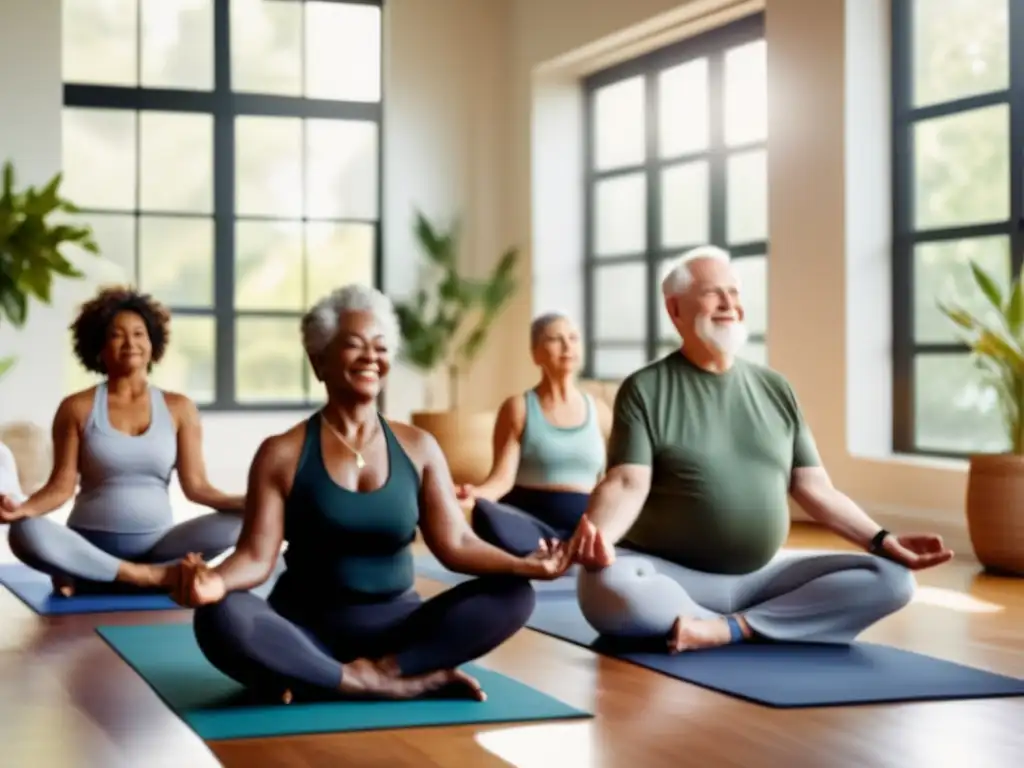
pixel 251 640
pixel 524 516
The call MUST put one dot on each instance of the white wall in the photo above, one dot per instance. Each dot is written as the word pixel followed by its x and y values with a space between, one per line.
pixel 444 137
pixel 30 103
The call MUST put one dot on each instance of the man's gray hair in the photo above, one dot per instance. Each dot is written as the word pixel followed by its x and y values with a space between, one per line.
pixel 541 323
pixel 679 277
pixel 320 323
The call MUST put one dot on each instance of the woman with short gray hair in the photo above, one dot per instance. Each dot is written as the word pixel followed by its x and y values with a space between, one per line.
pixel 549 449
pixel 348 489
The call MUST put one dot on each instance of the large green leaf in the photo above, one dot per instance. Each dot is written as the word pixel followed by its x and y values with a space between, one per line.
pixel 449 317
pixel 32 244
pixel 988 285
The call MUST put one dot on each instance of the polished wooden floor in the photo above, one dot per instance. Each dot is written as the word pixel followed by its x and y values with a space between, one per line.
pixel 67 700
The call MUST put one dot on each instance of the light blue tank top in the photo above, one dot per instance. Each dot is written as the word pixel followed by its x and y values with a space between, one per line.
pixel 125 478
pixel 560 456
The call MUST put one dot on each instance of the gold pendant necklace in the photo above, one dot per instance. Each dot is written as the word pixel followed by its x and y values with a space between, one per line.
pixel 360 461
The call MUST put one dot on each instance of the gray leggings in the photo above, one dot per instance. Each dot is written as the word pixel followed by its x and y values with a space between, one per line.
pixel 96 556
pixel 801 596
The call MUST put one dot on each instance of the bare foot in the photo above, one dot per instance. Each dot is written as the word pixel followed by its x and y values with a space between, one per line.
pixel 380 679
pixel 463 686
pixel 697 634
pixel 145 575
pixel 63 586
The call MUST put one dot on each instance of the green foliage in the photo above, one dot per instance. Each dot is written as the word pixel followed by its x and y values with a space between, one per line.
pixel 30 247
pixel 997 344
pixel 448 320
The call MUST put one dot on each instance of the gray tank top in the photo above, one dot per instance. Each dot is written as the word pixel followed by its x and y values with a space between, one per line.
pixel 125 478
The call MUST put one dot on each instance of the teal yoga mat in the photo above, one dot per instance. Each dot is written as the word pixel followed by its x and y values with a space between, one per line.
pixel 167 658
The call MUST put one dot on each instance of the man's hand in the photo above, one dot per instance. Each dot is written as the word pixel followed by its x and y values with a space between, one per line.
pixel 10 510
pixel 548 562
pixel 589 548
pixel 196 584
pixel 917 551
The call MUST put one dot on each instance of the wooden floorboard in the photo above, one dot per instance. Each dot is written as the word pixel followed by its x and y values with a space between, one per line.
pixel 66 700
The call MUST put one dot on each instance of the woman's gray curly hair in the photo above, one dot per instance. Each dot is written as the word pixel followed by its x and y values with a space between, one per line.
pixel 320 323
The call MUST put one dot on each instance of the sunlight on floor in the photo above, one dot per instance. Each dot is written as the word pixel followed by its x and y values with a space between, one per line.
pixel 943 736
pixel 542 746
pixel 954 601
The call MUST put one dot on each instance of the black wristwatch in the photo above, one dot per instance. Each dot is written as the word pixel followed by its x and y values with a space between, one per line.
pixel 875 547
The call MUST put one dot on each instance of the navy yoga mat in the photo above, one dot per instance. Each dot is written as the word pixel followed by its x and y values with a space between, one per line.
pixel 36 591
pixel 214 706
pixel 792 675
pixel 428 567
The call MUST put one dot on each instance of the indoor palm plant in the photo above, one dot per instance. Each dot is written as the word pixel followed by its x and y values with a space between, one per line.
pixel 995 483
pixel 31 247
pixel 444 327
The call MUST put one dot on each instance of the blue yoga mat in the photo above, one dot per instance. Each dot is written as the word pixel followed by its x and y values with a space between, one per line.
pixel 428 567
pixel 167 658
pixel 792 675
pixel 36 591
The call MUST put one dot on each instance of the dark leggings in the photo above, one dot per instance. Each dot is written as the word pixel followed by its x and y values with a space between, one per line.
pixel 524 516
pixel 248 640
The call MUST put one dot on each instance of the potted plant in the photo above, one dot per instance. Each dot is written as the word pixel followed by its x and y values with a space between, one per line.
pixel 31 247
pixel 444 327
pixel 995 482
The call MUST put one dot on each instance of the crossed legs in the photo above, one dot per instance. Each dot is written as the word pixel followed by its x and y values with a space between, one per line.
pixel 524 516
pixel 99 560
pixel 799 597
pixel 399 648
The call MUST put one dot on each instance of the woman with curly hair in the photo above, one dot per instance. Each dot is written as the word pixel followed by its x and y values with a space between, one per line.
pixel 124 438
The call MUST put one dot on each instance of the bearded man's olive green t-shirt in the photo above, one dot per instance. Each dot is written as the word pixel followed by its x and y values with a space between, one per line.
pixel 722 448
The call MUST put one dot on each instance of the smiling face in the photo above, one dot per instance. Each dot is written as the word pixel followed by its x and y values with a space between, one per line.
pixel 710 312
pixel 558 350
pixel 359 358
pixel 128 345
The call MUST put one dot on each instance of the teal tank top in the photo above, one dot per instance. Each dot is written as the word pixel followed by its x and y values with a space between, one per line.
pixel 348 546
pixel 560 456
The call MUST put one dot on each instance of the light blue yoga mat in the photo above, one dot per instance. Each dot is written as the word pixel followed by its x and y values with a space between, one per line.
pixel 36 591
pixel 167 657
pixel 428 567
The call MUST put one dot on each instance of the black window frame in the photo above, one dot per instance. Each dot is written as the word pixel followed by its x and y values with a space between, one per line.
pixel 713 44
pixel 905 237
pixel 224 105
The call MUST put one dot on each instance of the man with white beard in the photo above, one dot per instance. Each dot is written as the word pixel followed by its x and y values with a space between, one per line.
pixel 704 450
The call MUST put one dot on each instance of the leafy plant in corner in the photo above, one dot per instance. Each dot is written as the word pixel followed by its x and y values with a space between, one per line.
pixel 31 247
pixel 997 344
pixel 447 322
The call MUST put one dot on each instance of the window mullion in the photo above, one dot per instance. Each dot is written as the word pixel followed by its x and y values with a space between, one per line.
pixel 224 211
pixel 654 205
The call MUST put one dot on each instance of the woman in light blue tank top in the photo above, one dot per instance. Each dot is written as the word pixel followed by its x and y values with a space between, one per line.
pixel 123 438
pixel 549 449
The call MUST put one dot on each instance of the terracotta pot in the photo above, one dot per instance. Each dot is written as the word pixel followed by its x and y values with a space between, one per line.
pixel 465 438
pixel 995 512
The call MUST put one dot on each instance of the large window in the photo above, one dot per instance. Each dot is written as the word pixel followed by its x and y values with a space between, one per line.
pixel 676 157
pixel 227 155
pixel 958 109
